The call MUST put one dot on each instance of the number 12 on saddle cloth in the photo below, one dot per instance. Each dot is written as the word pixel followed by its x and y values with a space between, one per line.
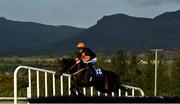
pixel 99 72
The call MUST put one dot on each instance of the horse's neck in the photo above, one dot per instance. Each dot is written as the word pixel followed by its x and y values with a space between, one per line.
pixel 70 62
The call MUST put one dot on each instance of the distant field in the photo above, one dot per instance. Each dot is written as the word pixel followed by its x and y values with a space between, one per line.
pixel 29 59
pixel 12 102
pixel 9 100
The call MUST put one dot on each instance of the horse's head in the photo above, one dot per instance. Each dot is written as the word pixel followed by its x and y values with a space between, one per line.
pixel 63 66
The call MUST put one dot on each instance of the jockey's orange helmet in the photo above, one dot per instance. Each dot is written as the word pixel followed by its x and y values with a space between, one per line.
pixel 80 45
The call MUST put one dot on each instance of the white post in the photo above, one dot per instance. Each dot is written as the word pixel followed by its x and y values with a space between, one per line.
pixel 37 75
pixel 29 75
pixel 61 79
pixel 54 88
pixel 99 93
pixel 69 85
pixel 133 93
pixel 84 91
pixel 28 92
pixel 46 90
pixel 155 70
pixel 112 93
pixel 155 84
pixel 15 85
pixel 91 91
pixel 126 93
pixel 119 92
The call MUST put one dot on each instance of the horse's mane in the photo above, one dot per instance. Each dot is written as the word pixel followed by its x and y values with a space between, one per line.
pixel 71 60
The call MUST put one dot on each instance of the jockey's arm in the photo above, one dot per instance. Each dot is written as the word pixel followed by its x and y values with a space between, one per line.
pixel 86 59
pixel 77 60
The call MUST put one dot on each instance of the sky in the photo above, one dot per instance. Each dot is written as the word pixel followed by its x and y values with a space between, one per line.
pixel 81 13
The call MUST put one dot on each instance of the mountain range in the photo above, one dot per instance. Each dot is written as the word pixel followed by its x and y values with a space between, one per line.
pixel 118 31
pixel 16 37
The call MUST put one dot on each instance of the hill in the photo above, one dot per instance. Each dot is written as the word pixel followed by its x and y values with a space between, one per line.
pixel 121 31
pixel 16 35
pixel 118 31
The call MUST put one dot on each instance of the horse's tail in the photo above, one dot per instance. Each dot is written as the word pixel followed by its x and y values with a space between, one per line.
pixel 115 80
pixel 119 83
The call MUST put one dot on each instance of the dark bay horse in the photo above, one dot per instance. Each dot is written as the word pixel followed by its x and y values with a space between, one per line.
pixel 108 83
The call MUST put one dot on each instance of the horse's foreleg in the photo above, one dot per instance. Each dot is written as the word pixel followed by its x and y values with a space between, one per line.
pixel 73 92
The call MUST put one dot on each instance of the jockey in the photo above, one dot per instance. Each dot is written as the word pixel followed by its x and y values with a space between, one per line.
pixel 87 56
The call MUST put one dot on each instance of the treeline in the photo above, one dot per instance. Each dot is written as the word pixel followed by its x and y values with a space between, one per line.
pixel 132 68
pixel 139 70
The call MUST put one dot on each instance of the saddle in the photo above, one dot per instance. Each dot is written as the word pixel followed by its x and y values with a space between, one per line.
pixel 96 72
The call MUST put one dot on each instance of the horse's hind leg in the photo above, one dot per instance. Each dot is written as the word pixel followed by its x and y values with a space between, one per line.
pixel 79 90
pixel 73 90
pixel 117 86
pixel 76 89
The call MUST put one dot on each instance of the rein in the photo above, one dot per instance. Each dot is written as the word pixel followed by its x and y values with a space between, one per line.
pixel 72 67
pixel 76 71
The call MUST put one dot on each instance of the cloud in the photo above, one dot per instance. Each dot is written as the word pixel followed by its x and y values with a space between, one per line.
pixel 150 2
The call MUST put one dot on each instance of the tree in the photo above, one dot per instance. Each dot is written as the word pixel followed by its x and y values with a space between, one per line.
pixel 101 60
pixel 148 74
pixel 163 77
pixel 175 76
pixel 118 64
pixel 133 73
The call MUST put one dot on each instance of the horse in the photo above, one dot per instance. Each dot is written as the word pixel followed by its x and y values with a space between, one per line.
pixel 107 83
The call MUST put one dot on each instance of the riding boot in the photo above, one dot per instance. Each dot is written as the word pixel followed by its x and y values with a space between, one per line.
pixel 90 71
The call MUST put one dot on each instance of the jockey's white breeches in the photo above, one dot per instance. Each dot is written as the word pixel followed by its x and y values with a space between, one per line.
pixel 93 61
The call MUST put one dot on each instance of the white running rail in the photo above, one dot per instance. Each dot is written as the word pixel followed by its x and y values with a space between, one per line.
pixel 29 88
